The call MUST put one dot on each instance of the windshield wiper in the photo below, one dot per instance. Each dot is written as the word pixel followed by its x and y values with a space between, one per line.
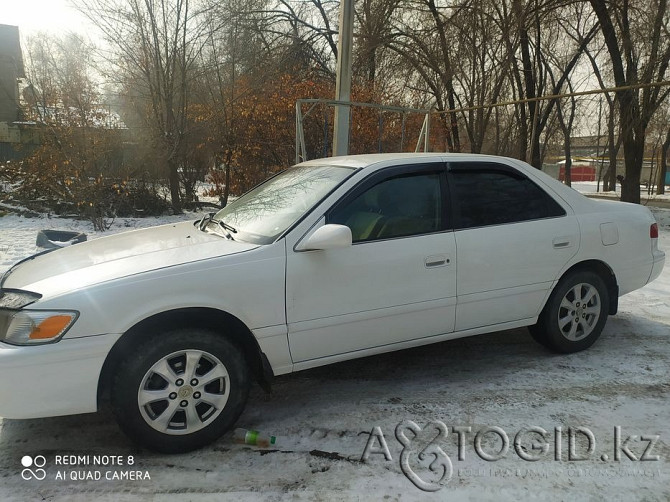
pixel 228 229
pixel 202 224
pixel 225 225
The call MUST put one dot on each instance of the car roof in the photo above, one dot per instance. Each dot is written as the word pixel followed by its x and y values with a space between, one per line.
pixel 363 161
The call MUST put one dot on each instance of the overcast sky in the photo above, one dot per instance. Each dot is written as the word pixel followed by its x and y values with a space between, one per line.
pixel 32 16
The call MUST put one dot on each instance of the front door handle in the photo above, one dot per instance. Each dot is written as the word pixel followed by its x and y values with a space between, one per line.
pixel 438 260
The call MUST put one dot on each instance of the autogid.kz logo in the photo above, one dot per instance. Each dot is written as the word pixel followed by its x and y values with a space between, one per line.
pixel 33 467
pixel 430 455
pixel 425 462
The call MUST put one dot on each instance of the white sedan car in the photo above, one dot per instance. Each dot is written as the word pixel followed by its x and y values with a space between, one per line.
pixel 332 259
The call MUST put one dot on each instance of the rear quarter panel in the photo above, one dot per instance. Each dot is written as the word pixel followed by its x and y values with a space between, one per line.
pixel 630 257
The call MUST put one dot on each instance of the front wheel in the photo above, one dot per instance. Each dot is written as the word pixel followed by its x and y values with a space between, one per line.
pixel 180 390
pixel 575 314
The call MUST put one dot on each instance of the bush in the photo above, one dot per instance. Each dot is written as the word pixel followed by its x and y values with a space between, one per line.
pixel 142 200
pixel 103 200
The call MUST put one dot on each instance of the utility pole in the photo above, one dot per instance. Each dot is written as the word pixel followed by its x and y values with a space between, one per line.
pixel 599 162
pixel 343 78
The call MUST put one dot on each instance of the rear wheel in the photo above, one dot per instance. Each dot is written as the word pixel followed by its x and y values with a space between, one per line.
pixel 180 390
pixel 575 314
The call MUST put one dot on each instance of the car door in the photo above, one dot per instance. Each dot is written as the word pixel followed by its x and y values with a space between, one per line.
pixel 513 240
pixel 397 282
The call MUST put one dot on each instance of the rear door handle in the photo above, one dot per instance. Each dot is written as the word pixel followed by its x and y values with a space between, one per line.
pixel 438 260
pixel 562 242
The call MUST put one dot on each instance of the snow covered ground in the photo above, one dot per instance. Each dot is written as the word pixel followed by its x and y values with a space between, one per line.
pixel 324 417
pixel 592 188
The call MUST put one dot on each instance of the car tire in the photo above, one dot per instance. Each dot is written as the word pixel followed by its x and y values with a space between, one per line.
pixel 575 314
pixel 538 334
pixel 180 390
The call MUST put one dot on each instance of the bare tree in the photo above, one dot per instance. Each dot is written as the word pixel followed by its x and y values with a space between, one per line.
pixel 538 36
pixel 79 152
pixel 566 124
pixel 154 45
pixel 374 22
pixel 62 88
pixel 235 47
pixel 613 140
pixel 636 36
pixel 311 28
pixel 483 67
pixel 422 36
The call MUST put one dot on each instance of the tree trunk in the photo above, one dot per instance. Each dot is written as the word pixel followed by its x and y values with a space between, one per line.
pixel 633 151
pixel 663 168
pixel 447 132
pixel 529 81
pixel 453 126
pixel 497 136
pixel 632 136
pixel 523 132
pixel 535 148
pixel 568 161
pixel 567 145
pixel 372 66
pixel 227 158
pixel 610 176
pixel 226 189
pixel 174 187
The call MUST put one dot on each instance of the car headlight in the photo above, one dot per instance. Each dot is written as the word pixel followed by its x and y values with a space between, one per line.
pixel 16 299
pixel 34 327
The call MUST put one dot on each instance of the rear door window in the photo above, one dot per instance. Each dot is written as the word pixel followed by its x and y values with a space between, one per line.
pixel 487 194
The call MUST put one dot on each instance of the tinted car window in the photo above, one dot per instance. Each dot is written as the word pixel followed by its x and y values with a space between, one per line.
pixel 396 207
pixel 486 196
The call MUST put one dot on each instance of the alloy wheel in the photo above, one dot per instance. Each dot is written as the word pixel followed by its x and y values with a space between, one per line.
pixel 184 392
pixel 579 311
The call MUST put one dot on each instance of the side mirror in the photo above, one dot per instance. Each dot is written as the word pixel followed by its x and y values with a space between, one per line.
pixel 327 237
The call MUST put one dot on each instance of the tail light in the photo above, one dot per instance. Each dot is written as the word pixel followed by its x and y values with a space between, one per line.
pixel 653 231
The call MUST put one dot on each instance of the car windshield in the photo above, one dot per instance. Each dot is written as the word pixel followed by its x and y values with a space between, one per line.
pixel 265 212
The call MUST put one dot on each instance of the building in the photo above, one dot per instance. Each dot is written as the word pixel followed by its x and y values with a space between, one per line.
pixel 16 137
pixel 11 69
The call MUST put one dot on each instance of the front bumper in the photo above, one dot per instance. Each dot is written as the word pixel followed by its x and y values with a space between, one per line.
pixel 52 379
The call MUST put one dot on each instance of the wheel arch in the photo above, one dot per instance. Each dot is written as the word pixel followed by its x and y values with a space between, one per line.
pixel 606 273
pixel 211 319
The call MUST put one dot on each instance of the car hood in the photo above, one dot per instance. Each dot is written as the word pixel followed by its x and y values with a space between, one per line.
pixel 116 256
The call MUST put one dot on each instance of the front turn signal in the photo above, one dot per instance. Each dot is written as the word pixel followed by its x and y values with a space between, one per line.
pixel 35 327
pixel 51 327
